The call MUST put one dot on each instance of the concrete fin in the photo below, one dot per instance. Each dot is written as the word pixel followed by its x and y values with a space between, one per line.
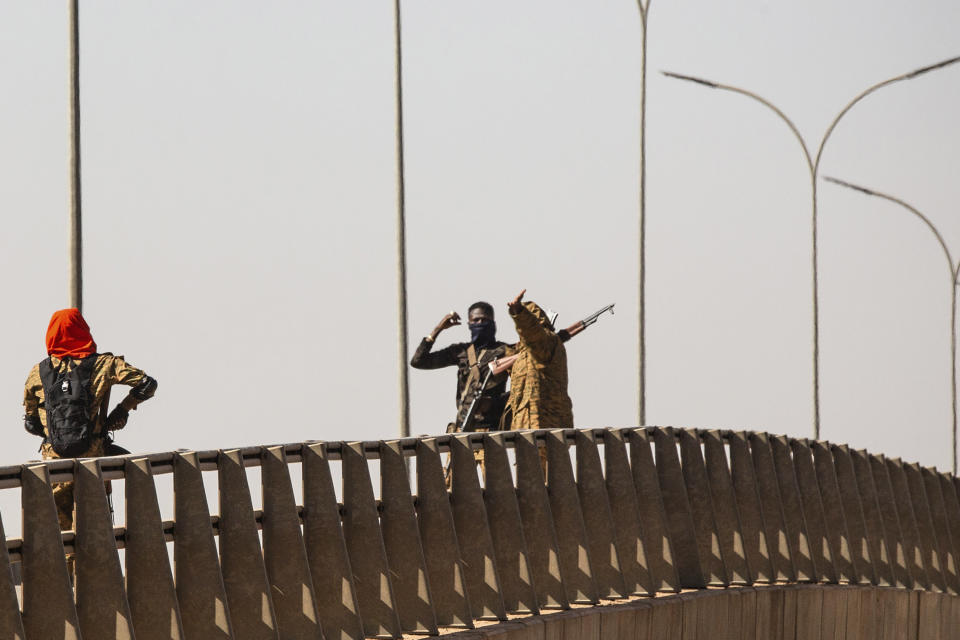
pixel 768 488
pixel 755 541
pixel 941 528
pixel 200 590
pixel 11 625
pixel 150 589
pixel 506 530
pixel 327 549
pixel 597 518
pixel 836 528
pixel 794 517
pixel 576 563
pixel 437 533
pixel 873 467
pixel 473 533
pixel 538 530
pixel 933 562
pixel 928 507
pixel 701 508
pixel 48 605
pixel 725 512
pixel 862 513
pixel 653 516
pixel 625 511
pixel 401 539
pixel 813 515
pixel 241 559
pixel 914 550
pixel 101 595
pixel 683 534
pixel 284 554
pixel 361 528
pixel 951 503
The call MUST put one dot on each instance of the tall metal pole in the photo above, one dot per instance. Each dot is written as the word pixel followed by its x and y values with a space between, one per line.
pixel 954 282
pixel 641 311
pixel 401 240
pixel 76 228
pixel 814 167
pixel 953 362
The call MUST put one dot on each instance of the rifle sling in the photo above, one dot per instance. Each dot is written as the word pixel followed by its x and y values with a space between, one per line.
pixel 473 375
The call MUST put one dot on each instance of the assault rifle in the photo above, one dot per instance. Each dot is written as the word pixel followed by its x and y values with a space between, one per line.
pixel 476 396
pixel 502 364
pixel 574 329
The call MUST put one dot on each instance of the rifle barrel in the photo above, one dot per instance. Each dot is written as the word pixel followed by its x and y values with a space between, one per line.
pixel 589 320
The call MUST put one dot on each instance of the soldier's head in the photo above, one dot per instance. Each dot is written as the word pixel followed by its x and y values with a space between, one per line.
pixel 69 335
pixel 483 330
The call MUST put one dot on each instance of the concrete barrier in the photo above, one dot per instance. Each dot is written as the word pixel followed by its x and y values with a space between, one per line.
pixel 625 533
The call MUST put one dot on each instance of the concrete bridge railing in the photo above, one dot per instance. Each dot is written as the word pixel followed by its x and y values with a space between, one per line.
pixel 639 533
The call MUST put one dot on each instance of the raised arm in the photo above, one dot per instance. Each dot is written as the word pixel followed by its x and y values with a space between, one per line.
pixel 425 358
pixel 538 338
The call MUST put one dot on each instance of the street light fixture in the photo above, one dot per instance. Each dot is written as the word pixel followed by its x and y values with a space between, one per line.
pixel 813 163
pixel 954 269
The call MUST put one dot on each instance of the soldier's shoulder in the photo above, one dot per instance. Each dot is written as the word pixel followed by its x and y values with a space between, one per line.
pixel 108 359
pixel 34 375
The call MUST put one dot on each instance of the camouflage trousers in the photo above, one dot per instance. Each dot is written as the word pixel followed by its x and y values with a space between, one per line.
pixel 63 491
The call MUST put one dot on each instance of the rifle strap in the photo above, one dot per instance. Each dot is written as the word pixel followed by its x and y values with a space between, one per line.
pixel 474 374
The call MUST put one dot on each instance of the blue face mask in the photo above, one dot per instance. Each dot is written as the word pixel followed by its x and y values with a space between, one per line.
pixel 483 333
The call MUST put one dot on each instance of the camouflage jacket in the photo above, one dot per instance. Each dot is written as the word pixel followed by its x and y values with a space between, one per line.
pixel 538 379
pixel 107 371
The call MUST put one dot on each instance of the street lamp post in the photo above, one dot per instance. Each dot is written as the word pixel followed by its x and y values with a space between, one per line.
pixel 813 163
pixel 954 269
pixel 644 8
pixel 76 230
pixel 402 347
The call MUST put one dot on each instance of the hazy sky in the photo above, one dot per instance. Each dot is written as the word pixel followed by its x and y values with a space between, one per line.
pixel 239 208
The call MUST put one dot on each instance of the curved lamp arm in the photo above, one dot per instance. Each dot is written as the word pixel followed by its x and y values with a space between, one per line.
pixel 926 220
pixel 749 94
pixel 904 76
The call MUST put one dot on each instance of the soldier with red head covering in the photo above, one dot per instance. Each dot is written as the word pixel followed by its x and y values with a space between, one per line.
pixel 66 396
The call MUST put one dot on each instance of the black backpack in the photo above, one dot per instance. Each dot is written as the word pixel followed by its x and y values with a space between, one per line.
pixel 67 402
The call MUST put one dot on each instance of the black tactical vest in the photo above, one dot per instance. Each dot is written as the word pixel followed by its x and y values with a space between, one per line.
pixel 67 402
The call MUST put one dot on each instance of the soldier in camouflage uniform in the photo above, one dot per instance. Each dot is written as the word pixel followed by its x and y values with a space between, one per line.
pixel 69 344
pixel 538 378
pixel 471 359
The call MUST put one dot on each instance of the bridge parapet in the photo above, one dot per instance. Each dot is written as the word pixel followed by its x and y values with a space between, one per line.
pixel 669 525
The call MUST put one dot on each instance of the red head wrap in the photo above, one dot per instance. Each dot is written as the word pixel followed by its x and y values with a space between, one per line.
pixel 69 335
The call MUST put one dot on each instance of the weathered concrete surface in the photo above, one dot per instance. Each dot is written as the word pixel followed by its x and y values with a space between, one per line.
pixel 770 537
pixel 244 574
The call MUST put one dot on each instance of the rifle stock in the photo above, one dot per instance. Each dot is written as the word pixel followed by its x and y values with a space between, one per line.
pixel 502 364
